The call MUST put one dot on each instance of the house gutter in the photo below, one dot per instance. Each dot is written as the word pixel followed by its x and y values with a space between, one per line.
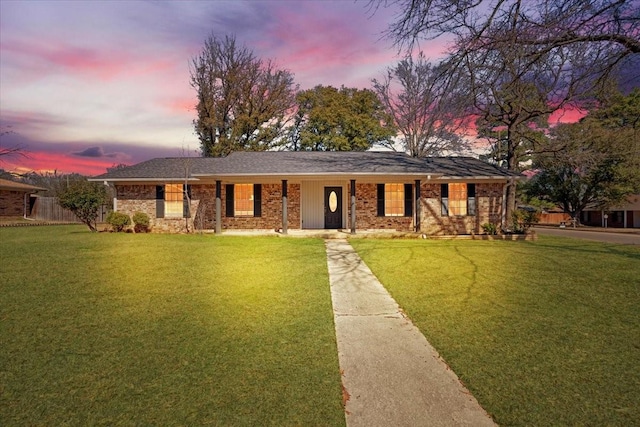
pixel 154 179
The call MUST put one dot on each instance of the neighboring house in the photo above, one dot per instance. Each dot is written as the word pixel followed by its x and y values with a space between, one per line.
pixel 314 190
pixel 15 198
pixel 626 215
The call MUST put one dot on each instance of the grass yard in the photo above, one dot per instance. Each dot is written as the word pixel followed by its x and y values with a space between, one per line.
pixel 123 329
pixel 542 333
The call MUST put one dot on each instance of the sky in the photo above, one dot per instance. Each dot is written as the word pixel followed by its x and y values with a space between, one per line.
pixel 90 84
pixel 86 85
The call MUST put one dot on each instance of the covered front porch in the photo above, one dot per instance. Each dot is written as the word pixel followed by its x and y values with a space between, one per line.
pixel 326 203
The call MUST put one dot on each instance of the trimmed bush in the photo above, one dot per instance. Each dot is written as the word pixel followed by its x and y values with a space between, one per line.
pixel 524 219
pixel 489 228
pixel 118 221
pixel 141 222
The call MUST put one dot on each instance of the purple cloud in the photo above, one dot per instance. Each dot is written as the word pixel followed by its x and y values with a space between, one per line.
pixel 94 152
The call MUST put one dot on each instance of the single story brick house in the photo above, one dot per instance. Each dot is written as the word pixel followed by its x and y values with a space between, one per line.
pixel 314 190
pixel 625 215
pixel 15 198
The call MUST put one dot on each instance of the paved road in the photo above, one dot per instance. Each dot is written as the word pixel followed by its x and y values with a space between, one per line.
pixel 600 236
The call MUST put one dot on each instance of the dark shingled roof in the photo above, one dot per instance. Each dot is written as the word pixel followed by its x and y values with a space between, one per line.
pixel 466 167
pixel 161 169
pixel 318 163
pixel 292 163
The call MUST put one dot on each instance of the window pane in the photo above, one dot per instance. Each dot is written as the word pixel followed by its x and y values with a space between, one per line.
pixel 394 199
pixel 173 196
pixel 457 199
pixel 243 200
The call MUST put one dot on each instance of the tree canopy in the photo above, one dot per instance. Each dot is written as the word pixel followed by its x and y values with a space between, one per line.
pixel 595 162
pixel 243 101
pixel 345 119
pixel 425 112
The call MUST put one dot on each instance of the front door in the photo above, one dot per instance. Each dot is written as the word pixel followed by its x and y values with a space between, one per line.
pixel 333 207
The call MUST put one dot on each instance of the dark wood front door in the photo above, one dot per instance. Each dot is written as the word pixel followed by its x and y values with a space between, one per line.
pixel 332 207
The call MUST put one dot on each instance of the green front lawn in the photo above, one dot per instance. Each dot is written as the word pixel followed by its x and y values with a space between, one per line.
pixel 542 333
pixel 122 329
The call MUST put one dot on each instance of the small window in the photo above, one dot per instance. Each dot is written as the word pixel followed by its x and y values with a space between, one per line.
pixel 174 200
pixel 394 200
pixel 243 200
pixel 458 199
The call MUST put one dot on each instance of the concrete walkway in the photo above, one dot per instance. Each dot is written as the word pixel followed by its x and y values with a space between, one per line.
pixel 391 375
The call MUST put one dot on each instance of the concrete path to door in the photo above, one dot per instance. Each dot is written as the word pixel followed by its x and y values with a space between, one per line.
pixel 391 375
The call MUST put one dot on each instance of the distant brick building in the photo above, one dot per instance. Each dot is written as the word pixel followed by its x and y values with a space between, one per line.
pixel 15 198
pixel 626 215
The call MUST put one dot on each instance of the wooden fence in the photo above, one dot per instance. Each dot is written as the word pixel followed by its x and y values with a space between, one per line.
pixel 48 209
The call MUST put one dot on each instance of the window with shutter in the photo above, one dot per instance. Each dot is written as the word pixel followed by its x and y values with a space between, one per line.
pixel 243 200
pixel 394 199
pixel 173 201
pixel 458 199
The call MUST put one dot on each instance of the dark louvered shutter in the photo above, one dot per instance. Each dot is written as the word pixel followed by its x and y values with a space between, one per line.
pixel 229 197
pixel 380 199
pixel 257 200
pixel 471 199
pixel 444 198
pixel 186 209
pixel 408 200
pixel 159 201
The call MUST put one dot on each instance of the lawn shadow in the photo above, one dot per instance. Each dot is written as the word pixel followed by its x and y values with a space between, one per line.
pixel 594 248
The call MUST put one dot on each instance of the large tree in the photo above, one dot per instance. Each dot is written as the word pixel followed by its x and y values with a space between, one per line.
pixel 522 60
pixel 243 101
pixel 425 112
pixel 595 162
pixel 345 119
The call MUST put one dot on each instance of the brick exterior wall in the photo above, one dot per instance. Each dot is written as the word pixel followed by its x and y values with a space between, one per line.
pixel 367 211
pixel 142 198
pixel 488 209
pixel 271 218
pixel 11 203
pixel 132 198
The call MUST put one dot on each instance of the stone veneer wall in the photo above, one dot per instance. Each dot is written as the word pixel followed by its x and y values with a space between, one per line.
pixel 367 211
pixel 11 203
pixel 488 209
pixel 142 198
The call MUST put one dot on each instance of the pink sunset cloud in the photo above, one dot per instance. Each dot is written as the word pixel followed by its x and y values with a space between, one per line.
pixel 63 58
pixel 568 114
pixel 66 58
pixel 61 163
pixel 325 50
pixel 185 105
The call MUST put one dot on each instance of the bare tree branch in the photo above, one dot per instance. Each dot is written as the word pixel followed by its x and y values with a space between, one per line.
pixel 424 109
